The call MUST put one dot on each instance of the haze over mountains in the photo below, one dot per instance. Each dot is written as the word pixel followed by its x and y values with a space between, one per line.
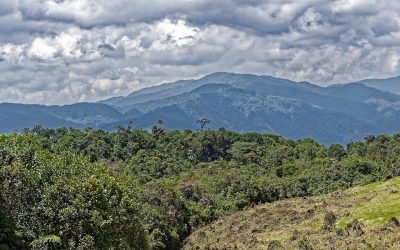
pixel 390 84
pixel 240 102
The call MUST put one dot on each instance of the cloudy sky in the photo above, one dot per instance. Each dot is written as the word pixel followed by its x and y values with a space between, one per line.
pixel 64 51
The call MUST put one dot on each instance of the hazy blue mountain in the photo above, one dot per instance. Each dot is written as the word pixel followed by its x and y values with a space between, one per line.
pixel 244 102
pixel 240 102
pixel 154 93
pixel 18 116
pixel 185 86
pixel 244 110
pixel 327 97
pixel 390 84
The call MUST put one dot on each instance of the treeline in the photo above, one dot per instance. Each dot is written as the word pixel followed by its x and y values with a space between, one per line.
pixel 133 189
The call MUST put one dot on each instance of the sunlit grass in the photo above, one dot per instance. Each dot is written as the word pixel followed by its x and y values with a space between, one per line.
pixel 373 205
pixel 379 209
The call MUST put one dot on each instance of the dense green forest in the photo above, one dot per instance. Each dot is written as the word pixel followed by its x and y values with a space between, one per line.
pixel 133 189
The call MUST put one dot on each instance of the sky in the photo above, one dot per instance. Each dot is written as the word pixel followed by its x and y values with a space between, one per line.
pixel 66 51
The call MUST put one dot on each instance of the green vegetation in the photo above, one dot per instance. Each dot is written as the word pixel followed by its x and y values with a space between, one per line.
pixel 359 218
pixel 133 189
pixel 381 203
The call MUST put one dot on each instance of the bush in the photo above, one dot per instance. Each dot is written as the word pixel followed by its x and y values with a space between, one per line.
pixel 65 201
pixel 329 222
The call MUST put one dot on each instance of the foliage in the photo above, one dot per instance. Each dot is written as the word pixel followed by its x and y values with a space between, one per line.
pixel 64 201
pixel 68 188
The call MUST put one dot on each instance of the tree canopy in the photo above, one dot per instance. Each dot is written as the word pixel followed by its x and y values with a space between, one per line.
pixel 133 189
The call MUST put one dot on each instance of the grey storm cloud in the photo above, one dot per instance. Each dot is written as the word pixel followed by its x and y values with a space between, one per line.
pixel 64 51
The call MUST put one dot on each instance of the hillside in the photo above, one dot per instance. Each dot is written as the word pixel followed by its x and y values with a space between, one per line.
pixel 243 102
pixel 359 218
pixel 18 116
pixel 136 189
pixel 335 114
pixel 244 110
pixel 238 102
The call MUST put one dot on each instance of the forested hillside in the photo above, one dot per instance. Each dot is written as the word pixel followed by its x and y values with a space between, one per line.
pixel 133 189
pixel 237 102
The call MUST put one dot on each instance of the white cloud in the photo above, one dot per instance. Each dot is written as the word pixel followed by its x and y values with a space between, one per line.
pixel 367 6
pixel 55 51
pixel 178 32
pixel 44 49
pixel 11 52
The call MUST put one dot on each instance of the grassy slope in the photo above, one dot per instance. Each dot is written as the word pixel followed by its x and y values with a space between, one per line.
pixel 297 223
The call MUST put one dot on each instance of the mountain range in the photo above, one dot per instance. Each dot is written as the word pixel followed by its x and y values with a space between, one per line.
pixel 239 102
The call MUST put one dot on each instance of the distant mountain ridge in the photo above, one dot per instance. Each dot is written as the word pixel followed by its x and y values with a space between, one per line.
pixel 390 84
pixel 240 102
pixel 17 116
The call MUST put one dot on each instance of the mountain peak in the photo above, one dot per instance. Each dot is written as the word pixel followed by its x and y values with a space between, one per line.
pixel 218 76
pixel 220 73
